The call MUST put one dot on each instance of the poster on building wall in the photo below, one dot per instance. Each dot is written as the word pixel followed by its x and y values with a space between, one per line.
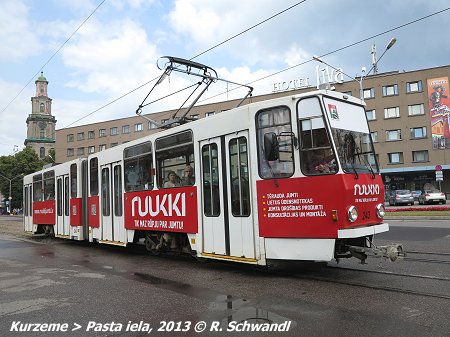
pixel 439 100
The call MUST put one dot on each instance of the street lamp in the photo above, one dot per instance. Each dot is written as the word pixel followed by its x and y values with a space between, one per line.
pixel 375 61
pixel 363 70
pixel 10 181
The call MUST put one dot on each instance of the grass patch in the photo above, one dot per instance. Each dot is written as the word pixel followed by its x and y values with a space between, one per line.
pixel 418 213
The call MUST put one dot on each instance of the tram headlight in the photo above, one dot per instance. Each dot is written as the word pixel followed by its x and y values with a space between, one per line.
pixel 352 214
pixel 381 211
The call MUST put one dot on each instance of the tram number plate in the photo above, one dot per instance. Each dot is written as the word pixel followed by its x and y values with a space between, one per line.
pixel 366 215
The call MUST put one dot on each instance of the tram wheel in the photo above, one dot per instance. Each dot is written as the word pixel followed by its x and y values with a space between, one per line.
pixel 150 245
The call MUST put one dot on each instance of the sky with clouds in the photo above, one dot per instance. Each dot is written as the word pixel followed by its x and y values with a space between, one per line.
pixel 94 51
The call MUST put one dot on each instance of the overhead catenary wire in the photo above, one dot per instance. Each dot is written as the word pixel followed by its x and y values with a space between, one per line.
pixel 283 70
pixel 154 79
pixel 52 56
pixel 270 75
pixel 286 69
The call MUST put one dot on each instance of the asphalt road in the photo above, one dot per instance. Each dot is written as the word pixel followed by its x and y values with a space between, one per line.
pixel 125 292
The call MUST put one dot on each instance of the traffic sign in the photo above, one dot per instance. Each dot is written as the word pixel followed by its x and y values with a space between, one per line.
pixel 439 176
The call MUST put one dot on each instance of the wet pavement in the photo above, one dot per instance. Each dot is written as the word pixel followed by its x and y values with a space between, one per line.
pixel 126 292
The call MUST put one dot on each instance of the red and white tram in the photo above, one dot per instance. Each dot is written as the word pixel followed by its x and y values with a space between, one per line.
pixel 292 178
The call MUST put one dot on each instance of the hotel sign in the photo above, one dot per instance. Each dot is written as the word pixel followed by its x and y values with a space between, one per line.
pixel 324 77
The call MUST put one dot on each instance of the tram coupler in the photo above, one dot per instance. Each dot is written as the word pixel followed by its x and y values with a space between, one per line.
pixel 392 252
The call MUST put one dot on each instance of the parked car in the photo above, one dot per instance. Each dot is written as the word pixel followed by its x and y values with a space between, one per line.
pixel 399 197
pixel 416 194
pixel 432 196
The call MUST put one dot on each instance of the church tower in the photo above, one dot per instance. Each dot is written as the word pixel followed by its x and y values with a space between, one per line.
pixel 41 124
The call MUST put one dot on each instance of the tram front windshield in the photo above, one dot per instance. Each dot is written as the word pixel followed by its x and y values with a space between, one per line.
pixel 351 135
pixel 355 151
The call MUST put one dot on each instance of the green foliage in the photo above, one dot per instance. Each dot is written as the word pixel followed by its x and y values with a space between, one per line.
pixel 12 170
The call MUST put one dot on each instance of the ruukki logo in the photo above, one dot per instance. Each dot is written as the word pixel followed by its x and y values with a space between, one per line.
pixel 166 204
pixel 371 189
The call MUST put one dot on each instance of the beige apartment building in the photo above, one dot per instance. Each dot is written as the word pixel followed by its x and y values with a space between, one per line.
pixel 408 114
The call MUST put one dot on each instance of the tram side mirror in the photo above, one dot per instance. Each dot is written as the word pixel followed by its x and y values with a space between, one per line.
pixel 271 146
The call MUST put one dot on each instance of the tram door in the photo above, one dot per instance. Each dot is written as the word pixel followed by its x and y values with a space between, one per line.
pixel 242 238
pixel 62 206
pixel 227 225
pixel 111 204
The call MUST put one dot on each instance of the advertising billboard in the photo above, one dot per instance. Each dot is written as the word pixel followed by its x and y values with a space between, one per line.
pixel 439 101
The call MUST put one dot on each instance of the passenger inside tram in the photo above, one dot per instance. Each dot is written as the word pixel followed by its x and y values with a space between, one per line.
pixel 188 178
pixel 172 180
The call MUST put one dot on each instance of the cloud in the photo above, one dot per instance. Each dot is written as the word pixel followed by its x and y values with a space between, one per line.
pixel 112 58
pixel 15 116
pixel 18 41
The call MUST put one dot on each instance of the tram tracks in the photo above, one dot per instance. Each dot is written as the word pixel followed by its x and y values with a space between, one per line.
pixel 431 281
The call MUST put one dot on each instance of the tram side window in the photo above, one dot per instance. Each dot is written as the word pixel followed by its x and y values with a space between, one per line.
pixel 93 176
pixel 210 180
pixel 73 180
pixel 25 201
pixel 66 197
pixel 117 181
pixel 106 196
pixel 59 197
pixel 240 189
pixel 175 160
pixel 275 120
pixel 316 154
pixel 138 167
pixel 49 185
pixel 38 188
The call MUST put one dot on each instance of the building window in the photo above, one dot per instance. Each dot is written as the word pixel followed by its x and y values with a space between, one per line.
pixel 102 133
pixel 395 157
pixel 212 113
pixel 195 117
pixel 114 144
pixel 418 132
pixel 114 131
pixel 42 152
pixel 348 93
pixel 413 87
pixel 390 90
pixel 70 152
pixel 392 112
pixel 393 135
pixel 80 151
pixel 415 110
pixel 41 134
pixel 91 149
pixel 373 160
pixel 420 156
pixel 42 107
pixel 374 136
pixel 102 147
pixel 80 136
pixel 138 127
pixel 126 129
pixel 91 134
pixel 371 115
pixel 70 138
pixel 369 93
pixel 152 125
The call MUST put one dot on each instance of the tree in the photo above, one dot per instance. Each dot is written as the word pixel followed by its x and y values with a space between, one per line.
pixel 12 170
